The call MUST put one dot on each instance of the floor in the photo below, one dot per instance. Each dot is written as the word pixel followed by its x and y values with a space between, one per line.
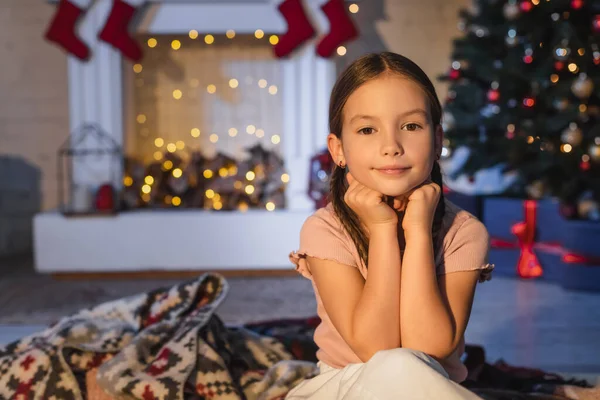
pixel 526 323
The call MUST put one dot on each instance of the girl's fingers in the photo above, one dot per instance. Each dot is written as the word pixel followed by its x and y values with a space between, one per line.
pixel 398 203
pixel 359 193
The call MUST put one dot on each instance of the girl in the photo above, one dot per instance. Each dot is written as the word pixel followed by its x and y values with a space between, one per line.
pixel 393 265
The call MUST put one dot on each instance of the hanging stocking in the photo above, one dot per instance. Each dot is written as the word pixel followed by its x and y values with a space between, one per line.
pixel 62 28
pixel 342 28
pixel 299 27
pixel 116 29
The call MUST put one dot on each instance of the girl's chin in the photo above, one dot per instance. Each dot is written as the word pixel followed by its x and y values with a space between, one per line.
pixel 396 191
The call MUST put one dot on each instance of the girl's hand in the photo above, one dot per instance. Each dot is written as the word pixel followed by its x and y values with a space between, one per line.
pixel 420 210
pixel 369 205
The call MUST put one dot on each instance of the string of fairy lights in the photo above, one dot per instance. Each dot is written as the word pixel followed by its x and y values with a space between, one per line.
pixel 161 145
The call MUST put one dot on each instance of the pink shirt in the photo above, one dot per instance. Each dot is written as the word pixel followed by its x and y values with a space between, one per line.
pixel 463 246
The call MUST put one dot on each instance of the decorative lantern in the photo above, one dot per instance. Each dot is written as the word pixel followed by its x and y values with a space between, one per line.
pixel 89 170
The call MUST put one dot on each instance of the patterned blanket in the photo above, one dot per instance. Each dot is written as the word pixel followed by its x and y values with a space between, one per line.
pixel 166 344
pixel 169 344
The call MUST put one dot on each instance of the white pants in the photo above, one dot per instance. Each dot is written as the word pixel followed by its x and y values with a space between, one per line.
pixel 391 374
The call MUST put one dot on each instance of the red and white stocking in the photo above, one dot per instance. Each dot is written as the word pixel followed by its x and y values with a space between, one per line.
pixel 342 28
pixel 62 29
pixel 299 27
pixel 116 29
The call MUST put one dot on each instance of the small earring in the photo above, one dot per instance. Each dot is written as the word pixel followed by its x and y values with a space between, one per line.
pixel 341 164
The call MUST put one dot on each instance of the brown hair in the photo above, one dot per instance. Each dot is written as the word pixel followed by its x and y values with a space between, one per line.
pixel 359 72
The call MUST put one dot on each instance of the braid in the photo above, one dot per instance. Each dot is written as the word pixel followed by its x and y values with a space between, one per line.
pixel 349 219
pixel 440 211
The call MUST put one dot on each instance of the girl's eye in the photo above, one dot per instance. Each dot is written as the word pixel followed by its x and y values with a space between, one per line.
pixel 411 127
pixel 366 131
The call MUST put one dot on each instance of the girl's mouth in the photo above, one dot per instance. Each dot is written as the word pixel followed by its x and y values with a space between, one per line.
pixel 393 170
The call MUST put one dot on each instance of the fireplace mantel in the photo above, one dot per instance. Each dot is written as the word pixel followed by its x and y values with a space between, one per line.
pixel 95 96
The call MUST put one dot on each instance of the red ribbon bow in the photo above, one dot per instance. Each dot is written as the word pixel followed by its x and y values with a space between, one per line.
pixel 528 265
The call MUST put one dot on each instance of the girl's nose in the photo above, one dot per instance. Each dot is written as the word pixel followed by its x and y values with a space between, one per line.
pixel 391 146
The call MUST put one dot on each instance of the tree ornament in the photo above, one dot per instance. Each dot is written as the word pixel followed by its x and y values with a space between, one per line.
pixel 536 189
pixel 528 102
pixel 582 87
pixel 585 166
pixel 595 54
pixel 526 6
pixel 594 151
pixel 576 4
pixel 493 95
pixel 511 41
pixel 448 121
pixel 562 51
pixel 464 64
pixel 511 10
pixel 572 135
pixel 451 96
pixel 511 38
pixel 596 23
pixel 446 152
pixel 588 207
pixel 479 31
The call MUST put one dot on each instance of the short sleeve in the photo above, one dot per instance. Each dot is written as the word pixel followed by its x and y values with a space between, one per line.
pixel 321 237
pixel 468 250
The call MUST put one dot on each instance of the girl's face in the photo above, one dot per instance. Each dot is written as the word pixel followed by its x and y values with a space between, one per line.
pixel 388 141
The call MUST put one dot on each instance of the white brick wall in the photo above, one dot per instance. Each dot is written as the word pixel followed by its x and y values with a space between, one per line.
pixel 33 118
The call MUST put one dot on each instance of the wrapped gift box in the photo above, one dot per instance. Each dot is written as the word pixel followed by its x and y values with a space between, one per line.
pixel 582 256
pixel 502 215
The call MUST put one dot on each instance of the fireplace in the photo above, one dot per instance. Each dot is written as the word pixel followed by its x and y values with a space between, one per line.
pixel 209 88
pixel 205 123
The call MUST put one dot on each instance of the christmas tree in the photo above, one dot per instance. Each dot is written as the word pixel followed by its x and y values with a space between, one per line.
pixel 524 97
